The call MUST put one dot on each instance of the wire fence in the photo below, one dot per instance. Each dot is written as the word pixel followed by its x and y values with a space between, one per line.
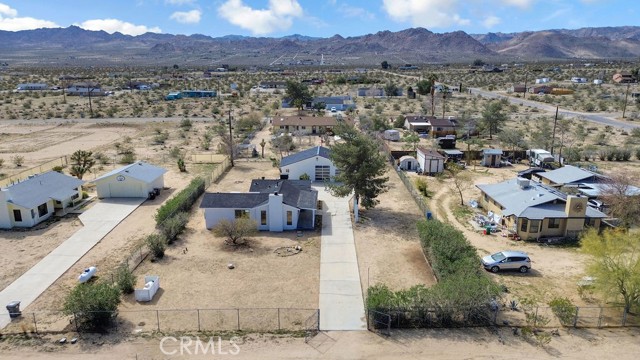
pixel 44 167
pixel 174 320
pixel 536 317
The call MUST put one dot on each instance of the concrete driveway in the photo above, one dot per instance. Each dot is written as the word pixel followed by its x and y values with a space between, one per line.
pixel 97 222
pixel 341 301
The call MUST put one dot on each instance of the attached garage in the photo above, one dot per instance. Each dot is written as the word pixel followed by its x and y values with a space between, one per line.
pixel 137 180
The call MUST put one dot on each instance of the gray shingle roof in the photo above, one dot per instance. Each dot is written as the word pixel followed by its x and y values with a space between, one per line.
pixel 296 193
pixel 233 200
pixel 39 189
pixel 534 202
pixel 139 170
pixel 492 151
pixel 305 154
pixel 570 174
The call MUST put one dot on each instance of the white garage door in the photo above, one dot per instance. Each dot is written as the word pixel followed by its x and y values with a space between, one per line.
pixel 125 189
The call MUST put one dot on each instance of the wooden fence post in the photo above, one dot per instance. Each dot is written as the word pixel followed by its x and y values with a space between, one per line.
pixel 158 319
pixel 238 319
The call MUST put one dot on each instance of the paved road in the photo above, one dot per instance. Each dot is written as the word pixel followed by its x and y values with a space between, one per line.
pixel 596 118
pixel 97 222
pixel 341 300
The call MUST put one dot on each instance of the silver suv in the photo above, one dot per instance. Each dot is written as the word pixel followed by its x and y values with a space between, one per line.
pixel 507 260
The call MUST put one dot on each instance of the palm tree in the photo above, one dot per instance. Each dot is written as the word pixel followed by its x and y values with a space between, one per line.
pixel 432 78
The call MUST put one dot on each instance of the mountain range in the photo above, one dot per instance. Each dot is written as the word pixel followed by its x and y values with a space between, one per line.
pixel 76 46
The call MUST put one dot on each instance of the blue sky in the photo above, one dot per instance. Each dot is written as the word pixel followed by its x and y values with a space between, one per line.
pixel 322 18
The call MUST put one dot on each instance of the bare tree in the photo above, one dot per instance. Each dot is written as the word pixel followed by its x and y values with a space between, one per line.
pixel 461 180
pixel 622 199
pixel 236 230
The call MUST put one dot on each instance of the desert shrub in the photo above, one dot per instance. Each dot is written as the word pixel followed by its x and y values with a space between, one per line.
pixel 421 185
pixel 638 153
pixel 157 244
pixel 125 279
pixel 447 249
pixel 186 124
pixel 17 160
pixel 160 138
pixel 305 176
pixel 174 226
pixel 589 107
pixel 128 158
pixel 182 166
pixel 57 168
pixel 182 201
pixel 564 309
pixel 94 305
pixel 625 154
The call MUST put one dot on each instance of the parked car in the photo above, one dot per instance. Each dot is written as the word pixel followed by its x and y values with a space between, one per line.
pixel 507 260
pixel 333 109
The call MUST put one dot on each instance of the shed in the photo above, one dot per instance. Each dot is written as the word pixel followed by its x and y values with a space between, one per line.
pixel 431 162
pixel 136 180
pixel 391 135
pixel 453 155
pixel 408 163
pixel 491 157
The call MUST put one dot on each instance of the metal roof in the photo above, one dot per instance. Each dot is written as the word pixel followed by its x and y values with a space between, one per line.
pixel 40 188
pixel 138 170
pixel 430 153
pixel 492 151
pixel 536 201
pixel 305 154
pixel 569 174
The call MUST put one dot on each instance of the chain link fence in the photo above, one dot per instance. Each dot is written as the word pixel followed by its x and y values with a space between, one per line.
pixel 44 167
pixel 176 320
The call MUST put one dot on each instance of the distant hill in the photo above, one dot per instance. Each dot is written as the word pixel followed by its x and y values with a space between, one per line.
pixel 76 46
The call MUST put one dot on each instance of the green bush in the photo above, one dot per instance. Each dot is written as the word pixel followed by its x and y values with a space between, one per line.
pixel 564 309
pixel 94 305
pixel 125 279
pixel 157 244
pixel 638 153
pixel 57 168
pixel 174 226
pixel 182 201
pixel 186 124
pixel 447 249
pixel 421 185
pixel 305 176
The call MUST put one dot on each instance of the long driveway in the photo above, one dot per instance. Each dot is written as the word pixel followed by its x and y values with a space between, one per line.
pixel 97 222
pixel 341 301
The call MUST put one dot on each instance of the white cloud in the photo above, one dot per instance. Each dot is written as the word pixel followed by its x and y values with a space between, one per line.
pixel 9 20
pixel 115 25
pixel 524 4
pixel 355 12
pixel 187 17
pixel 425 13
pixel 491 21
pixel 178 2
pixel 278 16
pixel 5 10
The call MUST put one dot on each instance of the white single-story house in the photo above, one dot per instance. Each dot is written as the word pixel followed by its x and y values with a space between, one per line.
pixel 391 135
pixel 408 163
pixel 136 180
pixel 275 205
pixel 29 202
pixel 491 157
pixel 32 86
pixel 430 161
pixel 315 162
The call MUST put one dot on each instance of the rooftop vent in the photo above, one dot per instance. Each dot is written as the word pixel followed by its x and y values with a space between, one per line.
pixel 523 183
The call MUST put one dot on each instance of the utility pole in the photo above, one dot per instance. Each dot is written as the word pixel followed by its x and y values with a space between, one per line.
pixel 553 137
pixel 230 140
pixel 524 94
pixel 626 96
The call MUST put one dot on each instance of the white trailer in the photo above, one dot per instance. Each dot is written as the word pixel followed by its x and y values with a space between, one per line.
pixel 539 157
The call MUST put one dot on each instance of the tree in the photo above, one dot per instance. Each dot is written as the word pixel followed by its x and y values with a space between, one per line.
pixel 93 305
pixel 432 78
pixel 615 263
pixel 423 87
pixel 262 145
pixel 478 62
pixel 493 117
pixel 157 243
pixel 282 144
pixel 227 141
pixel 617 193
pixel 513 139
pixel 81 163
pixel 542 136
pixel 399 122
pixel 319 106
pixel 298 94
pixel 362 168
pixel 384 65
pixel 461 180
pixel 236 230
pixel 390 89
pixel 412 140
pixel 125 279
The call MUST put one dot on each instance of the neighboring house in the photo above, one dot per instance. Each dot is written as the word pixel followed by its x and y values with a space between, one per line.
pixel 417 123
pixel 543 80
pixel 275 205
pixel 408 163
pixel 341 103
pixel 305 125
pixel 430 125
pixel 430 161
pixel 533 210
pixel 452 155
pixel 518 89
pixel 491 157
pixel 273 85
pixel 84 91
pixel 136 180
pixel 315 162
pixel 569 175
pixel 541 90
pixel 624 78
pixel 32 86
pixel 579 80
pixel 29 202
pixel 174 95
pixel 377 92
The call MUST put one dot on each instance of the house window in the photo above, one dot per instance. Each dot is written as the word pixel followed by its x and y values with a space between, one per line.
pixel 241 213
pixel 17 215
pixel 535 226
pixel 523 225
pixel 323 172
pixel 42 210
pixel 554 223
pixel 289 217
pixel 263 217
